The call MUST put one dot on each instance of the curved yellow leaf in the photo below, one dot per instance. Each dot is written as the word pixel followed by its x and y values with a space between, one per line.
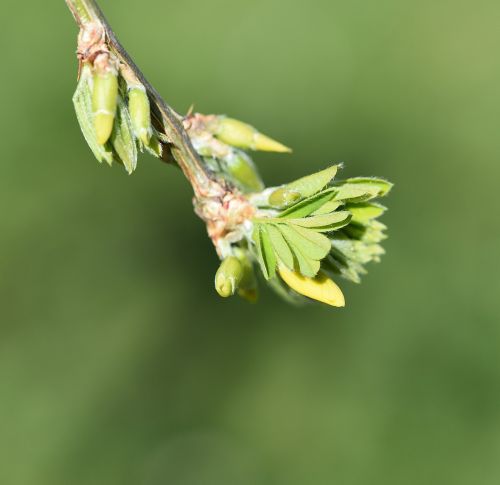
pixel 320 288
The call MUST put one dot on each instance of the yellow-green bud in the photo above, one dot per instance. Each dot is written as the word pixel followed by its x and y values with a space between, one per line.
pixel 244 173
pixel 265 144
pixel 104 102
pixel 241 135
pixel 283 197
pixel 228 276
pixel 140 113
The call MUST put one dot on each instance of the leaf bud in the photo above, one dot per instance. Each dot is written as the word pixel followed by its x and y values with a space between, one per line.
pixel 243 171
pixel 104 97
pixel 283 197
pixel 140 113
pixel 228 276
pixel 241 135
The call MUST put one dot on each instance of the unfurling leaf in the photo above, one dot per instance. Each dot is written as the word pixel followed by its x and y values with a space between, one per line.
pixel 268 252
pixel 123 139
pixel 283 197
pixel 380 186
pixel 265 252
pixel 308 206
pixel 324 222
pixel 354 193
pixel 365 211
pixel 154 147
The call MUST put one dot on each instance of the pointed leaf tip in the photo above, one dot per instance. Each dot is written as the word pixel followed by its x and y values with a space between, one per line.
pixel 312 184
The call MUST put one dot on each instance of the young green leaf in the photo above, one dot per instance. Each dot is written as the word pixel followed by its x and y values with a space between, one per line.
pixel 381 186
pixel 311 184
pixel 365 211
pixel 268 252
pixel 283 197
pixel 154 147
pixel 281 247
pixel 123 139
pixel 373 235
pixel 265 252
pixel 308 206
pixel 335 264
pixel 316 238
pixel 377 225
pixel 330 206
pixel 258 250
pixel 306 266
pixel 325 222
pixel 311 244
pixel 354 193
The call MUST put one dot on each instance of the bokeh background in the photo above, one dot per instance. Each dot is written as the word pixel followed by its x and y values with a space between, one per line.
pixel 118 362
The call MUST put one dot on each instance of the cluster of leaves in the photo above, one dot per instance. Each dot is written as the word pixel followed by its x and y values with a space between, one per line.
pixel 314 228
pixel 331 228
pixel 300 235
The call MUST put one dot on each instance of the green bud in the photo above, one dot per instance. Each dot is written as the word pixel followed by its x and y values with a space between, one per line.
pixel 104 102
pixel 154 147
pixel 122 138
pixel 82 101
pixel 241 135
pixel 283 197
pixel 228 276
pixel 265 144
pixel 140 113
pixel 243 172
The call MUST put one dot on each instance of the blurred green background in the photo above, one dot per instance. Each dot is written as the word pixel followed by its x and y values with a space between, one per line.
pixel 119 364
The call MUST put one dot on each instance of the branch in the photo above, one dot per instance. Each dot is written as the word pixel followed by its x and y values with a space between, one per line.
pixel 300 235
pixel 91 20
